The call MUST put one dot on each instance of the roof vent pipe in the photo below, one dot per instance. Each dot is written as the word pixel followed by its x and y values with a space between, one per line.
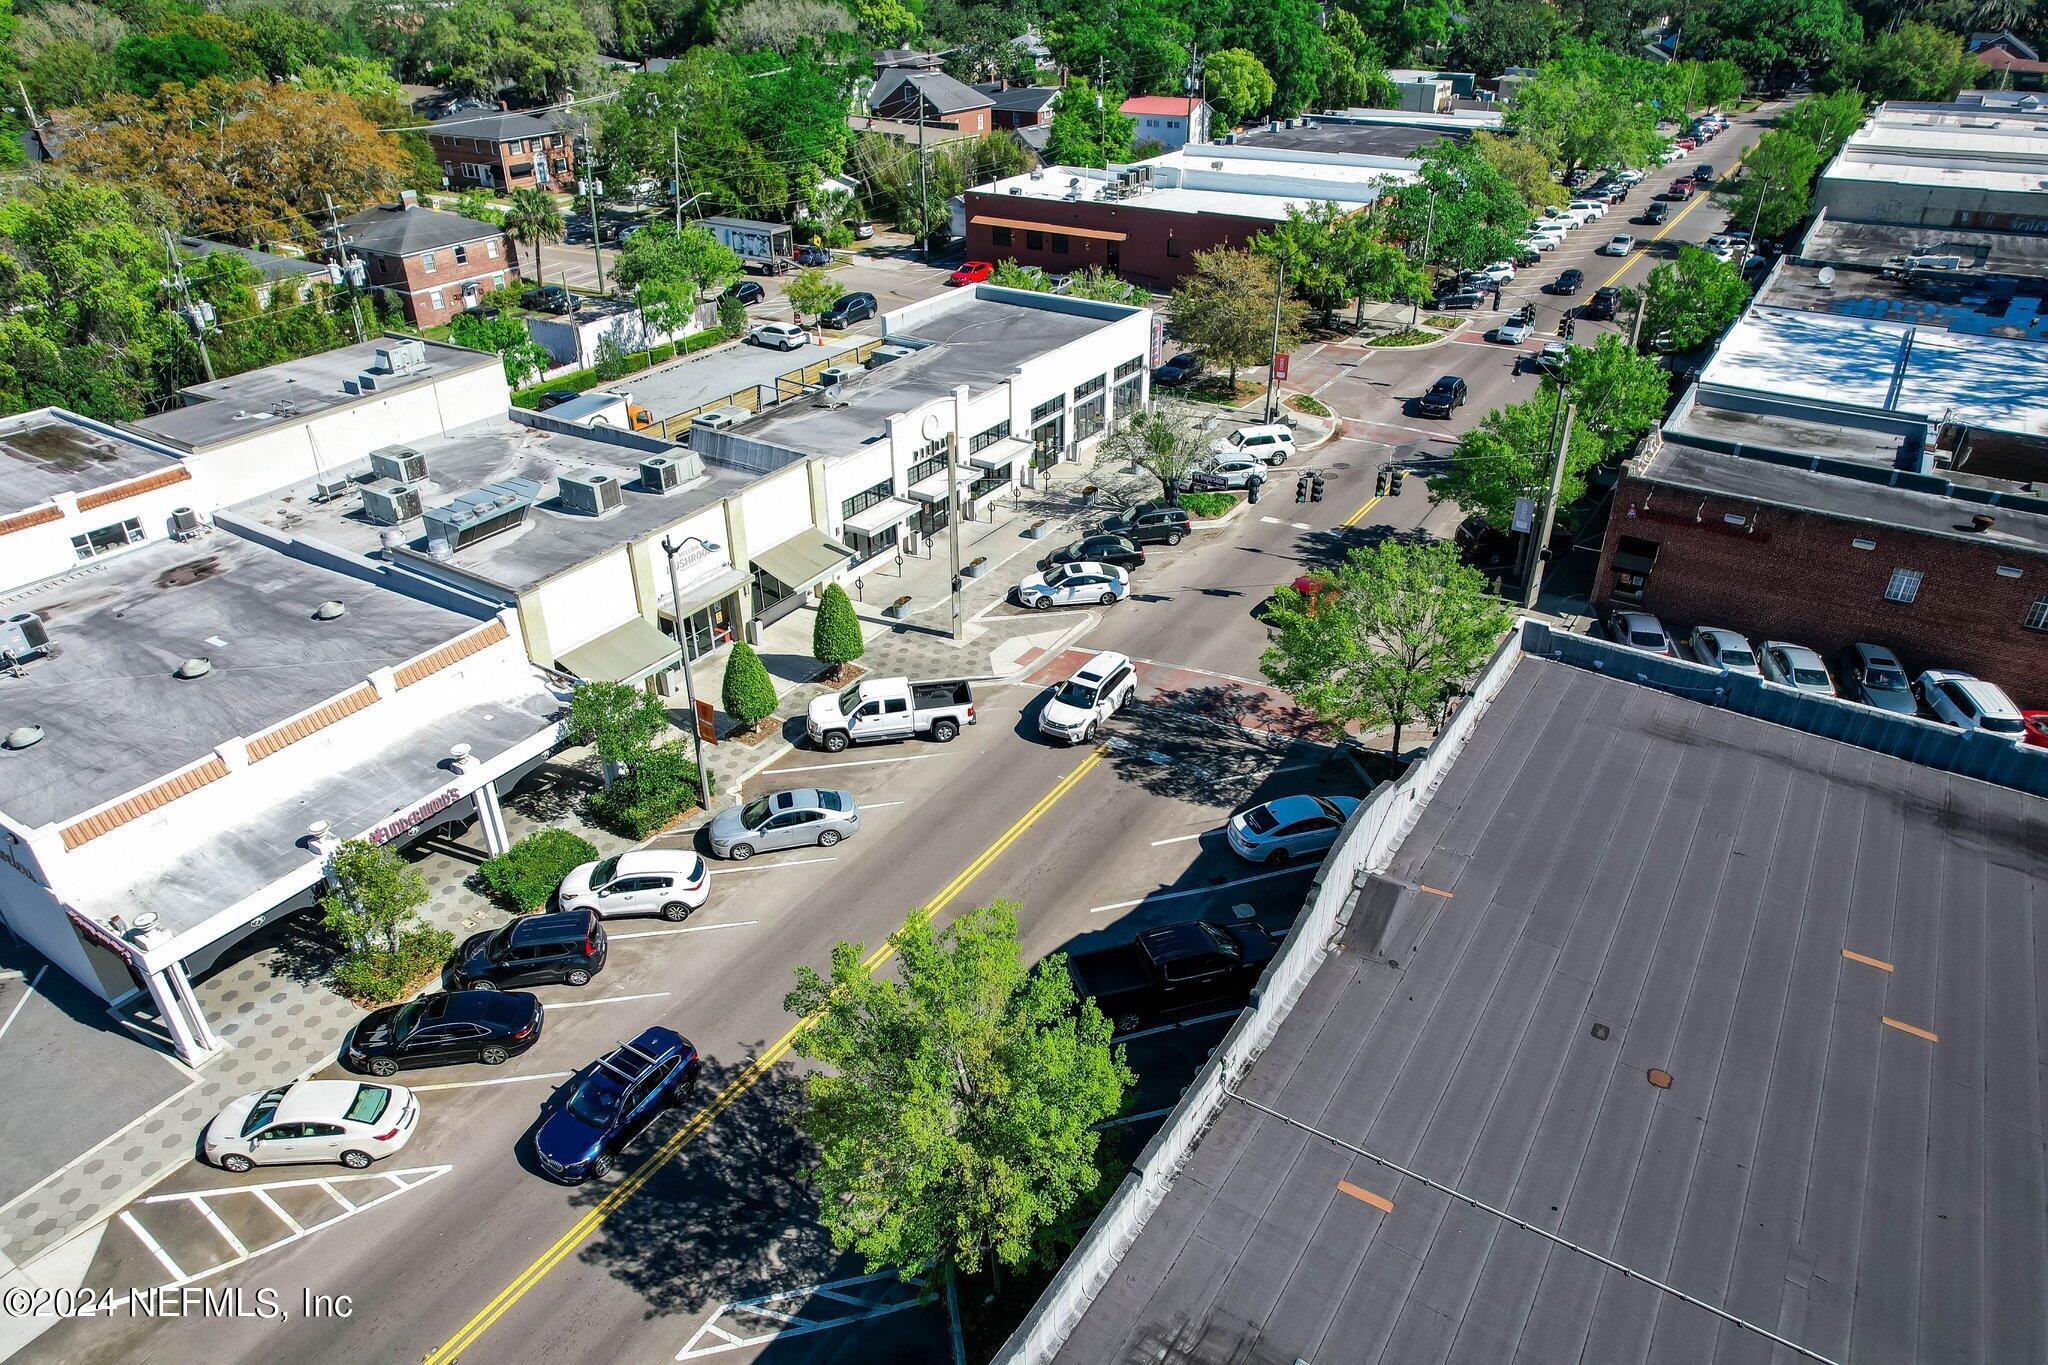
pixel 24 736
pixel 330 610
pixel 193 668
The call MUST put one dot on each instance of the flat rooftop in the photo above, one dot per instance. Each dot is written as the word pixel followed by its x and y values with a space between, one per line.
pixel 979 344
pixel 1246 181
pixel 1782 432
pixel 1612 879
pixel 51 451
pixel 1841 241
pixel 551 540
pixel 1359 136
pixel 278 395
pixel 1975 302
pixel 113 716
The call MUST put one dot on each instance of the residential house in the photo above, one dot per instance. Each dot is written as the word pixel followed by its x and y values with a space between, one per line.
pixel 435 263
pixel 1166 119
pixel 1020 106
pixel 295 274
pixel 929 98
pixel 2013 62
pixel 500 150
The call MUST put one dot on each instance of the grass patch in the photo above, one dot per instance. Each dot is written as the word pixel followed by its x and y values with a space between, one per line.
pixel 1216 389
pixel 1407 336
pixel 1445 321
pixel 1208 505
pixel 1301 402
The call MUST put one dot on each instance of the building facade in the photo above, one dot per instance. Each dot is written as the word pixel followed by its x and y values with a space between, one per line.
pixel 930 98
pixel 1167 120
pixel 505 151
pixel 435 264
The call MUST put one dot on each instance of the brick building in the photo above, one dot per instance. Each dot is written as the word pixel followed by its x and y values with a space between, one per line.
pixel 503 151
pixel 918 96
pixel 1018 107
pixel 435 263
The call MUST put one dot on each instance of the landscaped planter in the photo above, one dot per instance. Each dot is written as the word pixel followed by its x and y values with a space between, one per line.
pixel 1089 495
pixel 1037 530
pixel 975 569
pixel 897 610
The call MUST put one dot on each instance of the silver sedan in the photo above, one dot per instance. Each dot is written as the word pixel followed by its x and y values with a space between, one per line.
pixel 804 818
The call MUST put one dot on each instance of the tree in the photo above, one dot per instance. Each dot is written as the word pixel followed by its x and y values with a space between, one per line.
pixel 1690 301
pixel 1401 28
pixel 1305 243
pixel 812 291
pixel 1167 443
pixel 1224 309
pixel 68 72
pixel 1088 128
pixel 692 259
pixel 835 633
pixel 619 723
pixel 1011 275
pixel 1619 394
pixel 478 205
pixel 373 910
pixel 783 26
pixel 541 46
pixel 1776 183
pixel 955 1109
pixel 1287 36
pixel 1578 116
pixel 1508 456
pixel 525 359
pixel 1238 84
pixel 1498 34
pixel 1379 272
pixel 1525 166
pixel 148 62
pixel 1404 632
pixel 886 23
pixel 1093 282
pixel 1465 209
pixel 748 693
pixel 1771 40
pixel 532 217
pixel 251 162
pixel 1356 77
pixel 1721 82
pixel 1824 120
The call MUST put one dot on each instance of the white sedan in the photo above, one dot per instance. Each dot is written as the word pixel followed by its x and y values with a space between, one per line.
pixel 1514 332
pixel 1718 648
pixel 1795 666
pixel 1067 585
pixel 351 1122
pixel 1500 272
pixel 1239 472
pixel 1291 827
pixel 1544 241
pixel 1620 244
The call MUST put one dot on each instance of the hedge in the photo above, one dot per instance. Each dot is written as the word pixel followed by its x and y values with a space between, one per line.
pixel 1207 504
pixel 646 799
pixel 579 380
pixel 377 977
pixel 526 874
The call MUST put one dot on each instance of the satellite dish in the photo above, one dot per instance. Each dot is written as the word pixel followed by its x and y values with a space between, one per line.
pixel 1826 277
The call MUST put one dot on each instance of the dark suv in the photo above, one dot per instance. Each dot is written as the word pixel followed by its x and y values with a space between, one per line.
pixel 1099 549
pixel 1443 397
pixel 1600 308
pixel 620 1095
pixel 1149 523
pixel 848 309
pixel 566 946
pixel 549 298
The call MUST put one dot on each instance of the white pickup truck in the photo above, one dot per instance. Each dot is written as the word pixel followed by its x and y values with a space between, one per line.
pixel 889 708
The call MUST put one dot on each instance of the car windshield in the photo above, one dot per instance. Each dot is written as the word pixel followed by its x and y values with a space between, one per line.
pixel 1735 656
pixel 500 941
pixel 849 699
pixel 266 1105
pixel 369 1104
pixel 1809 677
pixel 596 1101
pixel 1884 680
pixel 1056 576
pixel 754 812
pixel 1259 819
pixel 602 874
pixel 407 1020
pixel 1074 693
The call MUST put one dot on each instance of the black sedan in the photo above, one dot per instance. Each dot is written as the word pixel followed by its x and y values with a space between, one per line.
pixel 1096 550
pixel 1654 212
pixel 1569 281
pixel 459 1026
pixel 1180 370
pixel 746 291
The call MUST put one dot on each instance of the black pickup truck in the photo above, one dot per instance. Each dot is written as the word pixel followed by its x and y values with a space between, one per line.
pixel 1175 966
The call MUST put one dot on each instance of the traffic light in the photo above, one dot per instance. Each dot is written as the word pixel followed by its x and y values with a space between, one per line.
pixel 1564 328
pixel 1381 484
pixel 1394 488
pixel 1315 489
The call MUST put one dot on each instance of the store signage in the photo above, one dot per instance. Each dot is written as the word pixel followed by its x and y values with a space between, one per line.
pixel 417 816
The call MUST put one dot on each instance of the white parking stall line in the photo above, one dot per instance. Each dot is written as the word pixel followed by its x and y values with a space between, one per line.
pixel 142 1235
pixel 1295 870
pixel 206 1212
pixel 1182 838
pixel 337 1195
pixel 24 1000
pixel 882 805
pixel 263 1198
pixel 855 763
pixel 889 1295
pixel 511 1080
pixel 606 1000
pixel 686 929
pixel 770 867
pixel 1176 1024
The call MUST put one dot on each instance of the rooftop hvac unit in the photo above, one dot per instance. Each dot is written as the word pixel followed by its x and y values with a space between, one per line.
pixel 481 513
pixel 1016 189
pixel 23 635
pixel 589 492
pixel 327 487
pixel 1934 263
pixel 659 474
pixel 184 523
pixel 718 419
pixel 401 464
pixel 387 502
pixel 402 357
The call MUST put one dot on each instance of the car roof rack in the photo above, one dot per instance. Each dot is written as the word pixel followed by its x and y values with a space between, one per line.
pixel 618 1062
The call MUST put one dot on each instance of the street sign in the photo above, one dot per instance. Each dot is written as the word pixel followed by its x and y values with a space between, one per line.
pixel 1280 365
pixel 1525 514
pixel 707 728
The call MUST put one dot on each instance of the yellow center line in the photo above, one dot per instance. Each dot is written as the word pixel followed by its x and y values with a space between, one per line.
pixel 1355 517
pixel 586 1226
pixel 1644 249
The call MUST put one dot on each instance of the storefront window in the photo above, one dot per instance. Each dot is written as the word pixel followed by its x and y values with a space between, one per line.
pixel 866 546
pixel 1130 367
pixel 1087 419
pixel 1129 395
pixel 709 627
pixel 929 463
pixel 982 440
pixel 868 497
pixel 992 481
pixel 1091 387
pixel 933 518
pixel 1047 409
pixel 1047 439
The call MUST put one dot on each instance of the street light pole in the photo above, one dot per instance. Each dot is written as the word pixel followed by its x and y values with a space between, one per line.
pixel 1428 227
pixel 673 548
pixel 1273 365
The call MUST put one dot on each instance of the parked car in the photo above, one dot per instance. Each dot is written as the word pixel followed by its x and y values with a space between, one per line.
pixel 889 708
pixel 1589 209
pixel 566 946
pixel 1724 649
pixel 745 291
pixel 613 1101
pixel 482 312
pixel 1629 175
pixel 349 1122
pixel 491 1027
pixel 1184 368
pixel 1098 690
pixel 1238 471
pixel 554 398
pixel 1149 523
pixel 1795 666
pixel 1601 306
pixel 1484 548
pixel 1270 443
pixel 1290 827
pixel 1444 396
pixel 973 272
pixel 863 231
pixel 848 309
pixel 1874 676
pixel 1544 241
pixel 2037 728
pixel 813 256
pixel 1552 357
pixel 780 336
pixel 645 881
pixel 1460 298
pixel 807 817
pixel 1066 585
pixel 1098 549
pixel 1175 966
pixel 1499 272
pixel 1527 254
pixel 1640 630
pixel 1620 244
pixel 549 298
pixel 1654 212
pixel 1568 281
pixel 1970 704
pixel 1513 332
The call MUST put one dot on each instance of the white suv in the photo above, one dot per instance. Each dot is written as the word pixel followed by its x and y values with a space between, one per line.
pixel 1970 704
pixel 1098 690
pixel 647 881
pixel 1592 208
pixel 782 336
pixel 1271 443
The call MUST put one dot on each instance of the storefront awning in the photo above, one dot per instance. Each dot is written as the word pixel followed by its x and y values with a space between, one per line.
pixel 1093 234
pixel 1627 562
pixel 932 487
pixel 624 654
pixel 702 591
pixel 1007 451
pixel 804 560
pixel 884 514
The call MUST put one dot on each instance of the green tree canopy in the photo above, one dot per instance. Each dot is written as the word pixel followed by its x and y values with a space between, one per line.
pixel 1224 309
pixel 955 1106
pixel 1691 300
pixel 525 359
pixel 1088 127
pixel 660 255
pixel 1508 456
pixel 148 62
pixel 1287 37
pixel 1586 108
pixel 376 894
pixel 1498 34
pixel 748 692
pixel 541 46
pixel 532 217
pixel 1769 39
pixel 1238 84
pixel 1166 442
pixel 1402 27
pixel 1357 74
pixel 1404 631
pixel 1619 394
pixel 1466 210
pixel 1776 183
pixel 620 723
pixel 812 291
pixel 1524 165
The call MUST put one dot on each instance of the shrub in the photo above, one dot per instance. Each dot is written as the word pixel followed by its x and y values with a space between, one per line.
pixel 835 634
pixel 732 316
pixel 527 873
pixel 839 235
pixel 1407 336
pixel 748 693
pixel 661 788
pixel 1207 504
pixel 1301 402
pixel 611 360
pixel 378 976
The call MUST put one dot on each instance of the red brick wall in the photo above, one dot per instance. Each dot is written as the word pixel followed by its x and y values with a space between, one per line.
pixel 1797 577
pixel 456 152
pixel 1159 247
pixel 409 278
pixel 972 121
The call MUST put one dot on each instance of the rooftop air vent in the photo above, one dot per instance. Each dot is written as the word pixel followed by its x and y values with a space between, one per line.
pixel 402 464
pixel 23 634
pixel 589 492
pixel 193 668
pixel 24 737
pixel 402 357
pixel 1983 521
pixel 330 610
pixel 659 474
pixel 481 513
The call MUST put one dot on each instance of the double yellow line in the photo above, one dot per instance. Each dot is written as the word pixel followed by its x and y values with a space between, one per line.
pixel 1359 515
pixel 734 1089
pixel 1644 249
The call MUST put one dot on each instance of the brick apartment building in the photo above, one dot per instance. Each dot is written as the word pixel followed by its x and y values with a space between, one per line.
pixel 435 263
pixel 503 151
pixel 932 98
pixel 1018 107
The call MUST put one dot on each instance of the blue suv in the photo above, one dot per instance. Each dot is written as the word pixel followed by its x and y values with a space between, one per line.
pixel 613 1101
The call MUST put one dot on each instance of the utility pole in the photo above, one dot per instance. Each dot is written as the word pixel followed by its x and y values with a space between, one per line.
pixel 924 207
pixel 27 105
pixel 1273 365
pixel 1532 582
pixel 195 315
pixel 675 600
pixel 348 268
pixel 675 172
pixel 591 181
pixel 1194 83
pixel 1428 228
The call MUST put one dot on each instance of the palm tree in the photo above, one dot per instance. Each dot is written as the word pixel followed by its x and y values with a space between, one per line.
pixel 533 217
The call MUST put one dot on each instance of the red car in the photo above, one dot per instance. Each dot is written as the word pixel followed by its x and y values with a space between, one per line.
pixel 1687 143
pixel 2037 727
pixel 1681 189
pixel 973 272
